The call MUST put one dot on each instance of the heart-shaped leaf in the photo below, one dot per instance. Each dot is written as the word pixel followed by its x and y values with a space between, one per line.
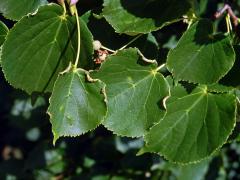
pixel 194 127
pixel 38 47
pixel 127 16
pixel 76 105
pixel 15 10
pixel 3 32
pixel 134 93
pixel 201 56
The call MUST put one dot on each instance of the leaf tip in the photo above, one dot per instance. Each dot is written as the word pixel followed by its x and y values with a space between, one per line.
pixel 141 151
pixel 55 138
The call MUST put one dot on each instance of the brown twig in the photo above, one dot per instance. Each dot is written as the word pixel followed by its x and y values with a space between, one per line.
pixel 229 11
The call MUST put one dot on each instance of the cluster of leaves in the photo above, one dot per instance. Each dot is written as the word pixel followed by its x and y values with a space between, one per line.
pixel 185 109
pixel 27 151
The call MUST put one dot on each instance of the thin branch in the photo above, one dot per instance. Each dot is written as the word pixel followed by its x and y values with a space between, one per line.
pixel 105 48
pixel 130 42
pixel 146 59
pixel 238 100
pixel 160 67
pixel 62 3
pixel 229 11
pixel 229 24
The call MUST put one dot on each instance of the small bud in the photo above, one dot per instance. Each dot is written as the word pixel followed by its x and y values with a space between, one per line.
pixel 60 1
pixel 103 57
pixel 97 45
pixel 97 61
pixel 217 15
pixel 73 2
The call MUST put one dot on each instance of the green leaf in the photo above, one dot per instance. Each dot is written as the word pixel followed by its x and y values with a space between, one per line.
pixel 86 16
pixel 134 93
pixel 3 32
pixel 76 105
pixel 38 47
pixel 219 88
pixel 146 43
pixel 200 7
pixel 129 17
pixel 194 127
pixel 187 172
pixel 15 10
pixel 86 51
pixel 232 77
pixel 177 92
pixel 201 56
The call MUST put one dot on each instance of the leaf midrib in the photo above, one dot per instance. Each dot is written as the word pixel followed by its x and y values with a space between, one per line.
pixel 49 55
pixel 67 99
pixel 179 120
pixel 132 87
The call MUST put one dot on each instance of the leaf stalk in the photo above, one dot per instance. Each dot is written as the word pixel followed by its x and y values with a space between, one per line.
pixel 78 39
